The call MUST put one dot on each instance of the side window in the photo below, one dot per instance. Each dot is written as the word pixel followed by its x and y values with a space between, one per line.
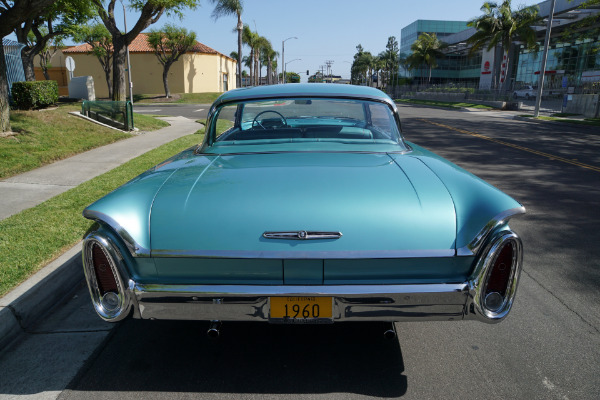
pixel 382 119
pixel 225 121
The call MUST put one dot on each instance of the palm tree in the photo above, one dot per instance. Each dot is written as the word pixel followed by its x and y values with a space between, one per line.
pixel 379 65
pixel 268 55
pixel 250 39
pixel 361 66
pixel 232 7
pixel 425 51
pixel 500 25
pixel 261 44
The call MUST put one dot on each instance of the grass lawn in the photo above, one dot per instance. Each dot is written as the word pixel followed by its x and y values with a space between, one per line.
pixel 46 136
pixel 36 236
pixel 200 98
pixel 449 104
pixel 565 115
pixel 586 121
pixel 148 122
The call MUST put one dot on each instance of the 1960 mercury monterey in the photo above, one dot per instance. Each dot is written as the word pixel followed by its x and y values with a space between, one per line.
pixel 304 204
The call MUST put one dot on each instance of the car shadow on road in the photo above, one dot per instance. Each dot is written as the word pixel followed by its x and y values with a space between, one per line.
pixel 177 356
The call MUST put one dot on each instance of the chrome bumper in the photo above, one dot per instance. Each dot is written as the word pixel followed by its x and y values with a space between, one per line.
pixel 427 302
pixel 409 302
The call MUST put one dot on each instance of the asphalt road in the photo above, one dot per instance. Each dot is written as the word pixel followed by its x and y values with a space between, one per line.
pixel 548 348
pixel 192 111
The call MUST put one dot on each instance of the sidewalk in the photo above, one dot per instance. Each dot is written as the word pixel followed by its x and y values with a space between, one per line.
pixel 21 308
pixel 31 188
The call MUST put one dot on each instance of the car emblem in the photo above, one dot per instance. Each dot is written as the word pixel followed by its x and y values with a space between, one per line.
pixel 302 235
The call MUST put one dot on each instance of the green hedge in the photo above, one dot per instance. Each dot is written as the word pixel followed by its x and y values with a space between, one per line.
pixel 36 94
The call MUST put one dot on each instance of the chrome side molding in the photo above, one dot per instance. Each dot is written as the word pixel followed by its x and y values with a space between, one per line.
pixel 475 245
pixel 135 249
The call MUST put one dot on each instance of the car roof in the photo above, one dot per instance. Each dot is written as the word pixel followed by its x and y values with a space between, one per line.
pixel 304 90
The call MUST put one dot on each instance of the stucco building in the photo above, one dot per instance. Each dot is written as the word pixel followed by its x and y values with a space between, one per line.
pixel 201 69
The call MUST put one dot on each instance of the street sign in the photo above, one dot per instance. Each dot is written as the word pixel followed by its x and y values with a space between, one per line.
pixel 70 64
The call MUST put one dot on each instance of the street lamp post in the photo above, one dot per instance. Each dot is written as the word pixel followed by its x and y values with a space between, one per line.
pixel 285 66
pixel 128 59
pixel 283 56
pixel 538 98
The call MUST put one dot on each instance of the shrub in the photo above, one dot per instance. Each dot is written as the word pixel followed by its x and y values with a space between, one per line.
pixel 36 94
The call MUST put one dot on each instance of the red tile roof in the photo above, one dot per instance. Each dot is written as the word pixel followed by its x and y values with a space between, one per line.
pixel 140 45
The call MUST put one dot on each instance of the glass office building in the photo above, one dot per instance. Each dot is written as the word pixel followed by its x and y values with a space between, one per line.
pixel 411 32
pixel 573 58
pixel 452 67
pixel 570 63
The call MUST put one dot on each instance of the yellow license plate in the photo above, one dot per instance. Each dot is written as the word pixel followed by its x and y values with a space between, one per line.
pixel 301 309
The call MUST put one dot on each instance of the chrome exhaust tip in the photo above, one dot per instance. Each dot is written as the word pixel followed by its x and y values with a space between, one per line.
pixel 390 334
pixel 214 329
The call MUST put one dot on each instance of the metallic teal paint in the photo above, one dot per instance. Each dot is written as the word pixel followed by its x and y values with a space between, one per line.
pixel 227 203
pixel 386 198
pixel 476 201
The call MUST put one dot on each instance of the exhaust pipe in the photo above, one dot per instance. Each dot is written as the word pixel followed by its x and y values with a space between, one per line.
pixel 214 329
pixel 390 333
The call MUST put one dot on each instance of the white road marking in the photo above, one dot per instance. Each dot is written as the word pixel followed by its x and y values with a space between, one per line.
pixel 143 110
pixel 200 109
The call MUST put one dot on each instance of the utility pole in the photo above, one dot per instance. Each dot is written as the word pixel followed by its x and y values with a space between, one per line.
pixel 538 98
pixel 329 63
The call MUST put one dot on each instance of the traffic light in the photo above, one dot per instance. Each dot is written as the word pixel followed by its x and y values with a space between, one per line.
pixel 307 73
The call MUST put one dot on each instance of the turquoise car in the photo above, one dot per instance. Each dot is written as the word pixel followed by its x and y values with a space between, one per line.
pixel 304 204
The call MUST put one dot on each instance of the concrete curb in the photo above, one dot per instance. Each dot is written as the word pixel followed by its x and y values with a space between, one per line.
pixel 24 305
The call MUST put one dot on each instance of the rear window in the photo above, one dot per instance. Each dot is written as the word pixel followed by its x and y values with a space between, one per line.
pixel 303 119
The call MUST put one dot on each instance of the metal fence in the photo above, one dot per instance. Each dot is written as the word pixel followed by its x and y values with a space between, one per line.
pixel 14 64
pixel 114 113
pixel 582 99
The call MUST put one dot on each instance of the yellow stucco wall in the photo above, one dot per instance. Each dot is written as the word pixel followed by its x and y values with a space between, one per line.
pixel 204 72
pixel 146 74
pixel 192 73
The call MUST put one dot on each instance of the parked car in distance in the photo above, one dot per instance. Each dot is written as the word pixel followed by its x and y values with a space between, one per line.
pixel 304 204
pixel 526 91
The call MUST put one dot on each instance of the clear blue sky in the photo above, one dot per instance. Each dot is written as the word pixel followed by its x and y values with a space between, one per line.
pixel 326 29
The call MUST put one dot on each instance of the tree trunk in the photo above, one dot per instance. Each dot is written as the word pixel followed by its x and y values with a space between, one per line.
pixel 250 67
pixel 108 82
pixel 4 105
pixel 119 72
pixel 269 71
pixel 506 73
pixel 46 74
pixel 27 58
pixel 256 70
pixel 166 68
pixel 240 27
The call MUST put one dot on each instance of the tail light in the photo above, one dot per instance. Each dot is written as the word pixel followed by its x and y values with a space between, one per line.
pixel 108 293
pixel 497 276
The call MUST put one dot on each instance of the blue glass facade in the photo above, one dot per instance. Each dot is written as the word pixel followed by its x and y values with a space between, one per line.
pixel 411 32
pixel 569 62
